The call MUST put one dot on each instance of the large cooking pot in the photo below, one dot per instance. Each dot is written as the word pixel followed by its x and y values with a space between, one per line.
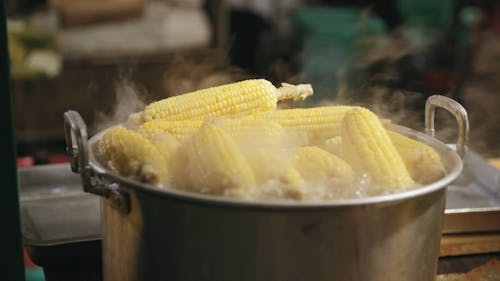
pixel 157 234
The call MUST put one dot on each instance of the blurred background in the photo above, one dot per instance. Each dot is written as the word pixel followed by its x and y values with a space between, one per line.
pixel 106 58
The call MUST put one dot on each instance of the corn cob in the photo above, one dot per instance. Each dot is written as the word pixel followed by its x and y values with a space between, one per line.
pixel 233 126
pixel 178 129
pixel 315 164
pixel 248 126
pixel 333 145
pixel 368 148
pixel 173 151
pixel 318 123
pixel 167 145
pixel 268 164
pixel 276 177
pixel 422 161
pixel 215 162
pixel 236 99
pixel 132 155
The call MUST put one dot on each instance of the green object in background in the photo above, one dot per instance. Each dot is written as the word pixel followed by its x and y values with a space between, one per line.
pixel 11 254
pixel 429 15
pixel 34 274
pixel 467 16
pixel 331 38
pixel 340 24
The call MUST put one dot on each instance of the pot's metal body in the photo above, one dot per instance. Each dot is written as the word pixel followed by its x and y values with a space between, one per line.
pixel 152 234
pixel 183 240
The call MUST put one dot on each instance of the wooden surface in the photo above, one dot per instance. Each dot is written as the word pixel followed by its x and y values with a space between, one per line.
pixel 469 244
pixel 487 271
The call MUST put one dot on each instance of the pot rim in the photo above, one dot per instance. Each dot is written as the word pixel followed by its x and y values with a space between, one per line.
pixel 452 161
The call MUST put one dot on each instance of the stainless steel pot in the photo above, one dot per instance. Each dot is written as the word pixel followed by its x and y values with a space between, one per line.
pixel 153 234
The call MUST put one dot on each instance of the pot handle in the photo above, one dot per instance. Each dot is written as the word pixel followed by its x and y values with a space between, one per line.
pixel 75 131
pixel 457 110
pixel 76 136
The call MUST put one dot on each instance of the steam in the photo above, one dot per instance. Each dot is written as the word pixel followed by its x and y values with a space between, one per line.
pixel 401 107
pixel 182 75
pixel 381 86
pixel 129 98
pixel 187 75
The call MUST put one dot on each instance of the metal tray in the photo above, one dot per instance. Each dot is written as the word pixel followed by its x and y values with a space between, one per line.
pixel 54 208
pixel 473 200
pixel 61 225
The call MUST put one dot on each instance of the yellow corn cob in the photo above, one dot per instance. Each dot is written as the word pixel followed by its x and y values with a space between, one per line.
pixel 178 129
pixel 319 123
pixel 368 148
pixel 233 126
pixel 132 155
pixel 422 161
pixel 215 162
pixel 314 163
pixel 236 99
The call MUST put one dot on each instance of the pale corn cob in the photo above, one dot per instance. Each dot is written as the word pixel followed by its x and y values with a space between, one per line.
pixel 167 144
pixel 233 126
pixel 316 164
pixel 276 177
pixel 319 123
pixel 268 192
pixel 174 153
pixel 216 164
pixel 248 125
pixel 422 161
pixel 368 148
pixel 333 145
pixel 268 164
pixel 236 99
pixel 132 155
